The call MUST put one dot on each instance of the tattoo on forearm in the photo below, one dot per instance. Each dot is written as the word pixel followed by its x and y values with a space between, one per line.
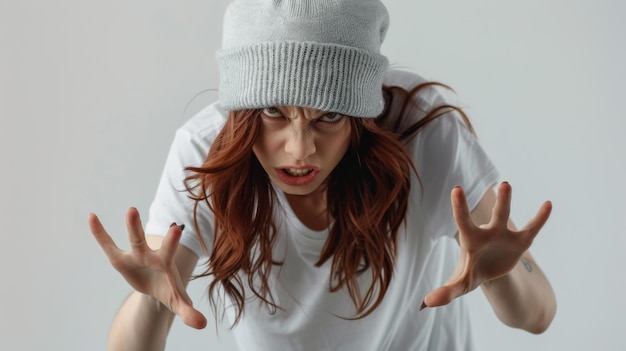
pixel 526 264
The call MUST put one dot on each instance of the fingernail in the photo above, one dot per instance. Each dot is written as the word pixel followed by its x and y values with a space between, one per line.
pixel 423 305
pixel 173 224
pixel 182 227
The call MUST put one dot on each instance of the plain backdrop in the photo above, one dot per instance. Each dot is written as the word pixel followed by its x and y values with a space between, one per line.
pixel 91 93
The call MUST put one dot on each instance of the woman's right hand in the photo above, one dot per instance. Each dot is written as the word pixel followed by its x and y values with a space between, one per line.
pixel 150 272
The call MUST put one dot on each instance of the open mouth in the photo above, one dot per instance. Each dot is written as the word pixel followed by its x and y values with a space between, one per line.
pixel 297 172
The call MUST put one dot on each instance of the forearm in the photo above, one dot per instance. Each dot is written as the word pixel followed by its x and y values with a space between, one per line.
pixel 142 323
pixel 523 298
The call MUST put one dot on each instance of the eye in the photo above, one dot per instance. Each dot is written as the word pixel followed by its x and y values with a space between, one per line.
pixel 331 117
pixel 272 112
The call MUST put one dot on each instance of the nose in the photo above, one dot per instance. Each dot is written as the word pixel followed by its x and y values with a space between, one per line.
pixel 300 142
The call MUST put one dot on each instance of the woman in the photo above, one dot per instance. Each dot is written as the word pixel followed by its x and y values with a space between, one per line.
pixel 318 192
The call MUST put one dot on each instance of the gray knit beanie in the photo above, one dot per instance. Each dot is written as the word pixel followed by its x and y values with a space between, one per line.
pixel 322 54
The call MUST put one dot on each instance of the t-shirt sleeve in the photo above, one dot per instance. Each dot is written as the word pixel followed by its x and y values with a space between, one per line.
pixel 446 154
pixel 172 202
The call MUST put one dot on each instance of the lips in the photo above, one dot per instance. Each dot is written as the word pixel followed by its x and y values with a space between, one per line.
pixel 297 176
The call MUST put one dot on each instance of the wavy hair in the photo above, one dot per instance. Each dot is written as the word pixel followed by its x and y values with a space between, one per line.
pixel 367 197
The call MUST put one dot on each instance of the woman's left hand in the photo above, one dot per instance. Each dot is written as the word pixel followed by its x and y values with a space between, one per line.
pixel 487 251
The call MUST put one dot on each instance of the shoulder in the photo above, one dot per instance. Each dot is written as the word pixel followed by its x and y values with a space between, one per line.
pixel 205 124
pixel 433 94
pixel 402 76
pixel 192 141
pixel 425 95
pixel 197 134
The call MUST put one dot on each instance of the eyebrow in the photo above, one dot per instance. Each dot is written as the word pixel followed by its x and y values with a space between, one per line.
pixel 317 115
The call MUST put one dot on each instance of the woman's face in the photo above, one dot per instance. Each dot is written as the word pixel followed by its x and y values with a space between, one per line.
pixel 298 147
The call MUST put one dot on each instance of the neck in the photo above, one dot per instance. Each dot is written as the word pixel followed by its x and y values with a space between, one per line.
pixel 310 209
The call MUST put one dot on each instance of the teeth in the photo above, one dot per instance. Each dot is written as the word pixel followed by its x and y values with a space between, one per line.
pixel 298 172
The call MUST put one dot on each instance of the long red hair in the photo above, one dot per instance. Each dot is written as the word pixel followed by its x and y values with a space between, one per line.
pixel 367 197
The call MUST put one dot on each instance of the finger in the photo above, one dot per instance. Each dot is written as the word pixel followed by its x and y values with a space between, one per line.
pixel 136 236
pixel 192 317
pixel 460 210
pixel 171 240
pixel 102 237
pixel 536 223
pixel 502 208
pixel 443 295
pixel 183 306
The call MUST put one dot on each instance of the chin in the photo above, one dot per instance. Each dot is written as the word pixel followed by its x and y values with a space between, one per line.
pixel 302 190
pixel 298 191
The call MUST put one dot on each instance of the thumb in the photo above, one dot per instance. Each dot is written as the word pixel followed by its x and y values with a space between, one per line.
pixel 183 306
pixel 443 295
pixel 192 317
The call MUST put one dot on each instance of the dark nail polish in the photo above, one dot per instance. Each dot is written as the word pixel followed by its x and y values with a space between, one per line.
pixel 182 227
pixel 423 305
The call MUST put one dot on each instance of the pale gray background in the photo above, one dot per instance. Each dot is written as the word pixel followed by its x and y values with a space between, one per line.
pixel 92 91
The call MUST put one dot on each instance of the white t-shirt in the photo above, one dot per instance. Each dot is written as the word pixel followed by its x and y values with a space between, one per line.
pixel 445 154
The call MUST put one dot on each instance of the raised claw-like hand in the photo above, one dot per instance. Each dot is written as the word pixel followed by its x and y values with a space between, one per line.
pixel 487 251
pixel 150 272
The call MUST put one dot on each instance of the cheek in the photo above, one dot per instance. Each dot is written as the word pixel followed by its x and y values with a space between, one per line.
pixel 337 144
pixel 265 146
pixel 346 138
